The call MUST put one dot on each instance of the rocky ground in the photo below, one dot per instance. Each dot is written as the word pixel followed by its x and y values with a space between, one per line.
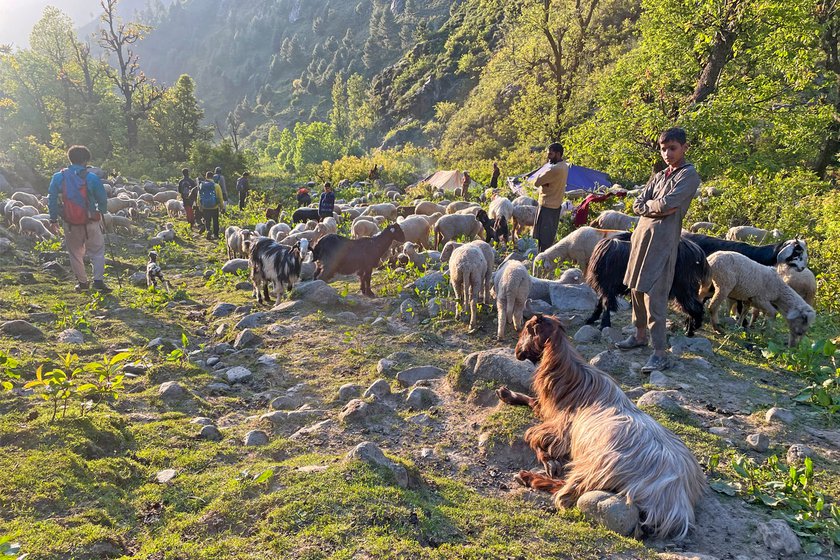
pixel 336 426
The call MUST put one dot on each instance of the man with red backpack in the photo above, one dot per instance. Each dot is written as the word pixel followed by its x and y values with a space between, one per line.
pixel 78 197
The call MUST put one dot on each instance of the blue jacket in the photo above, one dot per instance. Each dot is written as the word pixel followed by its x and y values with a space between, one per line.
pixel 327 202
pixel 97 197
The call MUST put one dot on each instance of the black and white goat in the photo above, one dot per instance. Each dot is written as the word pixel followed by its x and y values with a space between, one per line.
pixel 153 271
pixel 794 252
pixel 608 264
pixel 270 262
pixel 335 254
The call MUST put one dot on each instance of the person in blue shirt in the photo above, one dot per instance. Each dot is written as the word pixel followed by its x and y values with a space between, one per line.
pixel 78 197
pixel 326 204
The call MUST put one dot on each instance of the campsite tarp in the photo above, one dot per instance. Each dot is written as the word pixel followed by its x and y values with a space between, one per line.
pixel 582 178
pixel 446 180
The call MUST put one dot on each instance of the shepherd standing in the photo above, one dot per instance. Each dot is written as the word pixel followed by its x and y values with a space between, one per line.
pixel 662 205
pixel 551 180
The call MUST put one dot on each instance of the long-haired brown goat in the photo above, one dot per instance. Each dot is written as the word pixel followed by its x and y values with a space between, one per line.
pixel 593 432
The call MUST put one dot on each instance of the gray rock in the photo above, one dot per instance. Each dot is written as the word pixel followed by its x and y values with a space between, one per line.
pixel 536 307
pixel 696 345
pixel 779 537
pixel 498 366
pixel 358 411
pixel 202 421
pixel 246 338
pixel 347 317
pixel 433 307
pixel 609 361
pixel 221 348
pixel 290 418
pixel 665 400
pixel 610 334
pixel 410 376
pixel 587 334
pixel 21 329
pixel 210 432
pixel 244 286
pixel 659 379
pixel 609 510
pixel 164 476
pixel 777 414
pixel 317 429
pixel 251 321
pixel 429 281
pixel 571 297
pixel 797 453
pixel 385 366
pixel 256 437
pixel 238 374
pixel 171 391
pixel 138 279
pixel 525 244
pixel 233 265
pixel 71 336
pixel 409 310
pixel 268 361
pixel 349 391
pixel 289 306
pixel 759 442
pixel 307 271
pixel 223 309
pixel 316 292
pixel 369 453
pixel 285 402
pixel 213 360
pixel 420 398
pixel 379 389
pixel 218 388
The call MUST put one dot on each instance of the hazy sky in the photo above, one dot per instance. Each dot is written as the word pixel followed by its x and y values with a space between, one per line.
pixel 18 16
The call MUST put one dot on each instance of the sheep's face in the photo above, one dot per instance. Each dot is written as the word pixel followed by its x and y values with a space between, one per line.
pixel 798 322
pixel 795 254
pixel 536 333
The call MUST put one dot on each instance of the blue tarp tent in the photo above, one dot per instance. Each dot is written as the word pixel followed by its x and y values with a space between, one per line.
pixel 580 178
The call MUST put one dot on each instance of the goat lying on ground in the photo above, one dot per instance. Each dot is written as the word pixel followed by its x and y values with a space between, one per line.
pixel 606 276
pixel 335 254
pixel 270 262
pixel 596 434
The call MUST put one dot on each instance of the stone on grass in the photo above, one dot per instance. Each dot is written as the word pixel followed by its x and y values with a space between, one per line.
pixel 779 537
pixel 587 334
pixel 289 306
pixel 218 388
pixel 369 453
pixel 202 421
pixel 420 398
pixel 665 400
pixel 498 366
pixel 609 361
pixel 244 286
pixel 759 442
pixel 797 453
pixel 21 329
pixel 246 338
pixel 695 345
pixel 238 374
pixel 164 476
pixel 347 317
pixel 285 402
pixel 609 510
pixel 71 336
pixel 659 379
pixel 433 307
pixel 138 279
pixel 385 366
pixel 611 334
pixel 255 437
pixel 233 265
pixel 428 281
pixel 777 414
pixel 379 389
pixel 268 361
pixel 410 376
pixel 409 310
pixel 250 321
pixel 572 297
pixel 210 433
pixel 358 411
pixel 349 391
pixel 223 309
pixel 317 429
pixel 213 360
pixel 171 390
pixel 316 292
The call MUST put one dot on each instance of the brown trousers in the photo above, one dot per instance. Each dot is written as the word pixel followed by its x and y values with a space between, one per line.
pixel 651 310
pixel 86 240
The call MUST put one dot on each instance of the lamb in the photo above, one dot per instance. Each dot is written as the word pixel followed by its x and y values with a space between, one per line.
pixel 238 242
pixel 335 254
pixel 803 281
pixel 115 222
pixel 608 265
pixel 749 233
pixel 426 208
pixel 385 209
pixel 451 226
pixel 8 206
pixel 174 208
pixel 489 255
pixel 118 203
pixel 32 226
pixel 153 271
pixel 468 269
pixel 263 228
pixel 29 199
pixel 525 201
pixel 511 286
pixel 168 234
pixel 272 263
pixel 793 251
pixel 610 219
pixel 416 230
pixel 738 277
pixel 697 227
pixel 500 207
pixel 420 259
pixel 523 217
pixel 458 205
pixel 577 246
pixel 363 228
pixel 279 231
pixel 164 196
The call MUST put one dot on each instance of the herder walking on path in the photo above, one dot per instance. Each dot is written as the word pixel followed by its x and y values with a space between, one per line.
pixel 78 197
pixel 220 179
pixel 551 180
pixel 242 187
pixel 185 189
pixel 211 200
pixel 662 205
pixel 326 204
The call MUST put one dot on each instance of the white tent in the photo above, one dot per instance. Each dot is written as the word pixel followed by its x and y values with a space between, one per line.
pixel 446 180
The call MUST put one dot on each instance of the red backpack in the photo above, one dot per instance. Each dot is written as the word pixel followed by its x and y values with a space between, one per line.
pixel 74 198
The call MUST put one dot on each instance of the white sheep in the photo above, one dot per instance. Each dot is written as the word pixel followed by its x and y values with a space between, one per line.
pixel 29 199
pixel 330 224
pixel 279 231
pixel 458 205
pixel 467 271
pixel 420 259
pixel 114 222
pixel 385 209
pixel 164 196
pixel 119 203
pixel 489 255
pixel 737 277
pixel 34 227
pixel 262 228
pixel 8 206
pixel 174 208
pixel 749 233
pixel 168 233
pixel 500 207
pixel 512 285
pixel 426 208
pixel 238 242
pixel 524 216
pixel 470 211
pixel 416 230
pixel 19 212
pixel 803 281
pixel 451 226
pixel 577 247
pixel 697 227
pixel 524 201
pixel 611 219
pixel 363 228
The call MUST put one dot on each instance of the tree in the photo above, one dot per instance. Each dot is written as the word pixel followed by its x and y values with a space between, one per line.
pixel 176 120
pixel 828 16
pixel 139 92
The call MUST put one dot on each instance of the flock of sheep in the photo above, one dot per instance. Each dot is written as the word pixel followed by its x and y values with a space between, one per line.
pixel 441 234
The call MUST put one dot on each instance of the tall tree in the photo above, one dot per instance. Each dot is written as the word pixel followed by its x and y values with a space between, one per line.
pixel 176 120
pixel 139 92
pixel 828 15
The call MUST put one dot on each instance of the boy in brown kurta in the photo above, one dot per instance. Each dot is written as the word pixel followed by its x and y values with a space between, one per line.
pixel 662 206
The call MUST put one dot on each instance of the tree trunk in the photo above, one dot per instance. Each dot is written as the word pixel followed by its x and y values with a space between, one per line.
pixel 130 124
pixel 830 147
pixel 719 55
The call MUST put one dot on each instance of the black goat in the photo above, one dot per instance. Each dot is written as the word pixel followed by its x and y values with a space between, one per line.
pixel 335 254
pixel 270 262
pixel 489 226
pixel 304 215
pixel 793 251
pixel 608 264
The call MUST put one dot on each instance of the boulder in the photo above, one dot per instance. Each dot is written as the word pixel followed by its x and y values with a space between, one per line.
pixel 349 391
pixel 420 398
pixel 429 281
pixel 410 376
pixel 252 320
pixel 71 336
pixel 497 365
pixel 223 309
pixel 777 414
pixel 289 306
pixel 211 433
pixel 587 334
pixel 316 292
pixel 138 279
pixel 307 271
pixel 535 307
pixel 609 510
pixel 572 297
pixel 659 379
pixel 218 388
pixel 285 402
pixel 238 374
pixel 759 442
pixel 385 366
pixel 409 310
pixel 358 411
pixel 255 438
pixel 233 265
pixel 797 453
pixel 164 476
pixel 24 330
pixel 202 421
pixel 246 338
pixel 696 345
pixel 171 391
pixel 609 361
pixel 779 537
pixel 368 452
pixel 665 400
pixel 378 389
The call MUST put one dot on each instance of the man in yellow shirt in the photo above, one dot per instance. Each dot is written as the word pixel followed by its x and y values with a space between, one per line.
pixel 551 180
